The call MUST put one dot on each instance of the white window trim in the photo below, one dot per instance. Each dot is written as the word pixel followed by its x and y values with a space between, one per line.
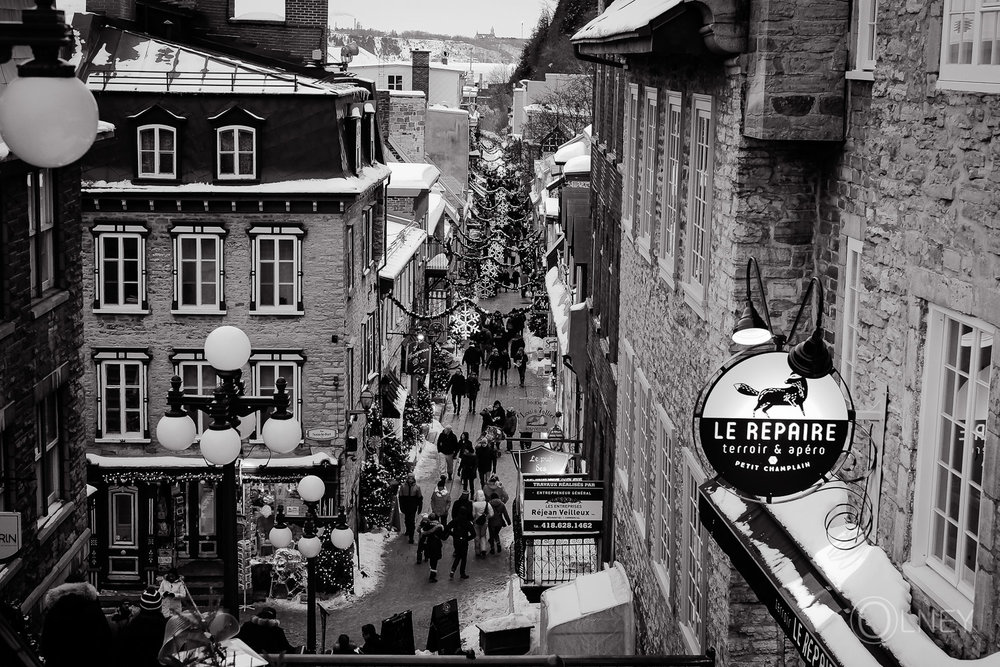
pixel 863 58
pixel 294 358
pixel 972 77
pixel 647 172
pixel 210 232
pixel 120 231
pixel 673 151
pixel 921 571
pixel 849 325
pixel 394 81
pixel 695 293
pixel 192 358
pixel 44 451
pixel 272 233
pixel 236 175
pixel 664 448
pixel 41 226
pixel 640 453
pixel 157 151
pixel 623 464
pixel 630 140
pixel 693 473
pixel 133 493
pixel 141 358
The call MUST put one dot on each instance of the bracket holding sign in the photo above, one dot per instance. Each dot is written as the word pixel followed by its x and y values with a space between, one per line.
pixel 10 536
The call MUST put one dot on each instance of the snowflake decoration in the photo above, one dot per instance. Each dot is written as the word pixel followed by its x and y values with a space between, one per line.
pixel 464 321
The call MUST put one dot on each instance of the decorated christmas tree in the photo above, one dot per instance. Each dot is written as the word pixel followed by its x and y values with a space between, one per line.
pixel 393 455
pixel 375 494
pixel 441 360
pixel 334 568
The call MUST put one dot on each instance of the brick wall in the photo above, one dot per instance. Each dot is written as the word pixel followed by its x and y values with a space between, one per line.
pixel 407 121
pixel 421 70
pixel 122 9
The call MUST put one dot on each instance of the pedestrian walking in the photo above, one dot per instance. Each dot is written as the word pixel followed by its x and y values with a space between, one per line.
pixel 472 391
pixel 504 364
pixel 433 536
pixel 521 364
pixel 456 384
pixel 411 501
pixel 515 279
pixel 373 642
pixel 264 634
pixel 441 500
pixel 472 359
pixel 140 641
pixel 494 485
pixel 482 511
pixel 462 507
pixel 462 532
pixel 485 458
pixel 174 592
pixel 504 279
pixel 510 428
pixel 493 364
pixel 421 542
pixel 74 625
pixel 447 446
pixel 467 468
pixel 498 520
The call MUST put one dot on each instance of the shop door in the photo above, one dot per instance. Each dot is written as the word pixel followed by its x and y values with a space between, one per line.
pixel 123 534
pixel 195 520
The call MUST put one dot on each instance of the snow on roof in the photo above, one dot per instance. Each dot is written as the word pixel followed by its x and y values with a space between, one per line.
pixel 412 176
pixel 128 61
pixel 402 242
pixel 559 303
pixel 435 209
pixel 444 108
pixel 406 93
pixel 552 206
pixel 578 165
pixel 439 262
pixel 622 18
pixel 575 147
pixel 342 185
pixel 247 465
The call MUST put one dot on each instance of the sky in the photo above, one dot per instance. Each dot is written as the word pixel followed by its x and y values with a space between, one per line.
pixel 510 18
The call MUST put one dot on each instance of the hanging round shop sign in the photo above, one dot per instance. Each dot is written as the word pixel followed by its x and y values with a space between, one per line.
pixel 769 433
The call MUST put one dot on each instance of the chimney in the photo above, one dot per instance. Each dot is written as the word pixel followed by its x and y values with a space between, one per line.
pixel 444 58
pixel 421 67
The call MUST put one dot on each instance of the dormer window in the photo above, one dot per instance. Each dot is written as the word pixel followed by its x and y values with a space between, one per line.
pixel 237 152
pixel 356 119
pixel 157 152
pixel 372 129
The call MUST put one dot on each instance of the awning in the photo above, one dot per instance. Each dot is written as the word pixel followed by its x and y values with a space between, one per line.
pixel 578 165
pixel 575 147
pixel 391 389
pixel 403 242
pixel 559 304
pixel 435 209
pixel 623 19
pixel 578 328
pixel 552 252
pixel 555 183
pixel 438 263
pixel 156 462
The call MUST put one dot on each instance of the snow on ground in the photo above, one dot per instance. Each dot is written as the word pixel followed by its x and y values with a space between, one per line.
pixel 505 608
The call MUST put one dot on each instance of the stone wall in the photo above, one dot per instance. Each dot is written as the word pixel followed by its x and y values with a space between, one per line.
pixel 407 122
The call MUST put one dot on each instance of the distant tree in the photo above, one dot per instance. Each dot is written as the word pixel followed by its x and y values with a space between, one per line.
pixel 564 111
pixel 499 74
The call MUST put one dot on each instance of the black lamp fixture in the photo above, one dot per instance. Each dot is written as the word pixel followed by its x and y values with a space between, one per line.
pixel 811 358
pixel 47 116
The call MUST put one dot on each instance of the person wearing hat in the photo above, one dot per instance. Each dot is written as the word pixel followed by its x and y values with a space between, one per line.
pixel 74 624
pixel 441 500
pixel 140 641
pixel 264 634
pixel 433 535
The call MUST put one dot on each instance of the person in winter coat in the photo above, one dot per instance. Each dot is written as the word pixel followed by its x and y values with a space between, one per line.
pixel 495 486
pixel 521 364
pixel 472 359
pixel 481 513
pixel 515 279
pixel 496 522
pixel 441 500
pixel 373 642
pixel 504 364
pixel 75 625
pixel 433 537
pixel 485 458
pixel 456 384
pixel 467 468
pixel 344 645
pixel 121 618
pixel 494 363
pixel 264 634
pixel 421 542
pixel 510 428
pixel 462 507
pixel 411 501
pixel 174 592
pixel 472 391
pixel 462 532
pixel 497 414
pixel 140 641
pixel 447 446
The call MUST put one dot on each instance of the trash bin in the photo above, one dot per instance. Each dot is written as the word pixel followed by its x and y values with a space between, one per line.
pixel 507 635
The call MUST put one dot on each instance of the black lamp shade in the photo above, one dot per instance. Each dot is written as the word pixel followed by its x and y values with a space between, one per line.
pixel 811 358
pixel 351 444
pixel 751 328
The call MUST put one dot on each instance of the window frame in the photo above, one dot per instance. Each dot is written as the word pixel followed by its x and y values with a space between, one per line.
pixel 349 249
pixel 123 232
pixel 641 449
pixel 850 310
pixel 973 77
pixel 693 552
pixel 865 33
pixel 184 359
pixel 49 454
pixel 236 129
pixel 647 170
pixel 276 359
pixel 276 234
pixel 663 533
pixel 394 81
pixel 673 154
pixel 132 493
pixel 40 191
pixel 156 151
pixel 942 584
pixel 217 234
pixel 695 283
pixel 626 389
pixel 122 357
pixel 368 244
pixel 630 159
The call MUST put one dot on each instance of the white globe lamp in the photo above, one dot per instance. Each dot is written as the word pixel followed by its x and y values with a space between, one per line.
pixel 247 425
pixel 48 121
pixel 341 536
pixel 227 348
pixel 311 488
pixel 309 547
pixel 281 436
pixel 280 536
pixel 176 433
pixel 221 446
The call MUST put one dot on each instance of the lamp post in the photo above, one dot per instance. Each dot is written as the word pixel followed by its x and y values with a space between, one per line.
pixel 227 350
pixel 47 116
pixel 311 490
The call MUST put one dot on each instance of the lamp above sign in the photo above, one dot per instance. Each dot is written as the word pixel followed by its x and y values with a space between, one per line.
pixel 769 433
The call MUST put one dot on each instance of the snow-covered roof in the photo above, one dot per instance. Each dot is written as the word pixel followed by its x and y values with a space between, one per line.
pixel 438 262
pixel 342 185
pixel 624 18
pixel 435 209
pixel 402 242
pixel 575 147
pixel 559 303
pixel 410 178
pixel 578 165
pixel 247 465
pixel 133 62
pixel 552 206
pixel 444 108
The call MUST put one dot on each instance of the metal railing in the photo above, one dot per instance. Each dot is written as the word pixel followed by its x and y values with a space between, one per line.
pixel 547 561
pixel 707 660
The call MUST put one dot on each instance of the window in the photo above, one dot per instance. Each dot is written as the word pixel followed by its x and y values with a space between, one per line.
pixel 349 258
pixel 123 517
pixel 970 49
pixel 641 446
pixel 865 12
pixel 372 130
pixel 237 153
pixel 671 187
pixel 121 268
pixel 157 151
pixel 630 161
pixel 369 330
pixel 662 467
pixel 121 396
pixel 276 273
pixel 48 453
pixel 852 286
pixel 266 368
pixel 41 234
pixel 198 269
pixel 696 269
pixel 395 81
pixel 693 573
pixel 625 418
pixel 955 407
pixel 647 171
pixel 197 378
pixel 369 241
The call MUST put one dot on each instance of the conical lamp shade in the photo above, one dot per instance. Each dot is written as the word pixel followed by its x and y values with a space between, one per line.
pixel 811 358
pixel 751 328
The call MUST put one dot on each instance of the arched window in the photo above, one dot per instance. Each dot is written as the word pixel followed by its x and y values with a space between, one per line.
pixel 157 151
pixel 236 152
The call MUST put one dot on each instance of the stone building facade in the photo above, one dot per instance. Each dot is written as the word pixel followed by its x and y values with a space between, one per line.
pixel 867 163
